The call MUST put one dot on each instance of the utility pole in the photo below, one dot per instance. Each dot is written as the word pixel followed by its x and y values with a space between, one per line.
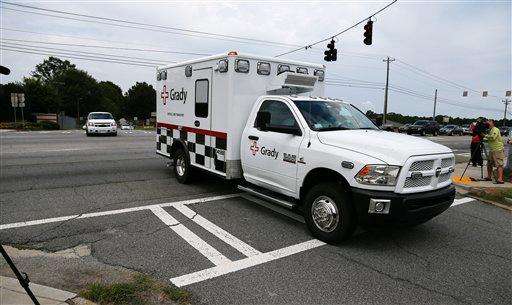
pixel 506 102
pixel 385 112
pixel 435 102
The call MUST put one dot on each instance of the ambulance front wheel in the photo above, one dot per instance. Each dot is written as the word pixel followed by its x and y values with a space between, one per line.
pixel 182 170
pixel 328 213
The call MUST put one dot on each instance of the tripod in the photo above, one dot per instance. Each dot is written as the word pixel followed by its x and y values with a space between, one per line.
pixel 481 149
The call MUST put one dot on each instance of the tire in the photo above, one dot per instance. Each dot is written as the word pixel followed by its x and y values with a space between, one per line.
pixel 434 133
pixel 182 169
pixel 422 133
pixel 329 196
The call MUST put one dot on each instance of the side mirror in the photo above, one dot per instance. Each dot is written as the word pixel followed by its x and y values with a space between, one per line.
pixel 262 120
pixel 84 127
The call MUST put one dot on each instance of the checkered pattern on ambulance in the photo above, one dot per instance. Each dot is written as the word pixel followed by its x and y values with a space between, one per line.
pixel 206 149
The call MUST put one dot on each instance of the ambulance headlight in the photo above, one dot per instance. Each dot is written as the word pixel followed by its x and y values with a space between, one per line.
pixel 377 174
pixel 320 74
pixel 242 66
pixel 222 66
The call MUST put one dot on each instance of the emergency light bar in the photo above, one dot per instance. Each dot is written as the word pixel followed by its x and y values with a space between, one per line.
pixel 291 83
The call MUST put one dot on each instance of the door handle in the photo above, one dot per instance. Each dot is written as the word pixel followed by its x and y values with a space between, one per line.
pixel 255 138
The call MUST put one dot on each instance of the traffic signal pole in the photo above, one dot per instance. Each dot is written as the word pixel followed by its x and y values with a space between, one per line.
pixel 506 102
pixel 385 112
pixel 435 103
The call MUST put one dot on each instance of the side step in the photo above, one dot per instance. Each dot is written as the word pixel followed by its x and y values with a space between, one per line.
pixel 269 196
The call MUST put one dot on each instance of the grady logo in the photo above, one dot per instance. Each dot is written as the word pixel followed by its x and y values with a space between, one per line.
pixel 254 148
pixel 164 95
pixel 179 95
pixel 173 95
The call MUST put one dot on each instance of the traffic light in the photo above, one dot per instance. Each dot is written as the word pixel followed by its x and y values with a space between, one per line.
pixel 331 54
pixel 368 28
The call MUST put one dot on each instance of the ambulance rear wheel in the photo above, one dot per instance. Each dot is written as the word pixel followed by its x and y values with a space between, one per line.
pixel 328 213
pixel 182 170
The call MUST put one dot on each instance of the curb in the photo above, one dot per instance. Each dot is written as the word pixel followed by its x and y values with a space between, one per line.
pixel 499 205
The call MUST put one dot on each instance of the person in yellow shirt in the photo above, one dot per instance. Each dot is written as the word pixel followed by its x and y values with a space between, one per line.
pixel 496 153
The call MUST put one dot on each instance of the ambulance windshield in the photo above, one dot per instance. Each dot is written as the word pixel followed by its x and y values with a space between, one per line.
pixel 324 115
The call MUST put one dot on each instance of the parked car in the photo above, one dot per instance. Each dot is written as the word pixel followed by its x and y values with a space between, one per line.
pixel 424 127
pixel 100 123
pixel 504 131
pixel 388 127
pixel 404 128
pixel 451 130
pixel 126 126
pixel 466 130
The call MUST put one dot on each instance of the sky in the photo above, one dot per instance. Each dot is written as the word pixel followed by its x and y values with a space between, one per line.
pixel 447 45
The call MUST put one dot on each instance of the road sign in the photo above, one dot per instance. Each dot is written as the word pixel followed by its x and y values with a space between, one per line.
pixel 485 93
pixel 21 100
pixel 14 99
pixel 508 93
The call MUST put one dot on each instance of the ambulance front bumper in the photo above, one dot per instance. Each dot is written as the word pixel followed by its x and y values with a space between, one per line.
pixel 379 207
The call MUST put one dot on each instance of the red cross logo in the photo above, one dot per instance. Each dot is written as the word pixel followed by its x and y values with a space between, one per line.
pixel 164 95
pixel 254 148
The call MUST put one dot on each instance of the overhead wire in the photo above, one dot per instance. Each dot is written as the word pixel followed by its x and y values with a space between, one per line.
pixel 141 25
pixel 308 46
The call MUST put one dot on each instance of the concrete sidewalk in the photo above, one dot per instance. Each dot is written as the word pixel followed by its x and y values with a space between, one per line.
pixel 473 177
pixel 11 293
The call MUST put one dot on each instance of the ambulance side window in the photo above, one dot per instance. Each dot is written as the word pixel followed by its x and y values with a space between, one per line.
pixel 201 103
pixel 280 114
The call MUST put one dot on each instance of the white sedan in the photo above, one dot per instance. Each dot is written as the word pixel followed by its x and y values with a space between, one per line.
pixel 100 123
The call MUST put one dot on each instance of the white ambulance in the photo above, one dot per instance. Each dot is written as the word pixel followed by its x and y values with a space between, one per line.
pixel 263 121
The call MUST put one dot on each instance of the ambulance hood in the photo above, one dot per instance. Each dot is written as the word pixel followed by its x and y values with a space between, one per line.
pixel 391 148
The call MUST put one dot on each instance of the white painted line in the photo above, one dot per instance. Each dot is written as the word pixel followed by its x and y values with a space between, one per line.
pixel 112 212
pixel 191 238
pixel 217 271
pixel 220 233
pixel 462 201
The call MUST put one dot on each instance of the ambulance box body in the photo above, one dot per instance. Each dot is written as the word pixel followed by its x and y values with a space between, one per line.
pixel 205 103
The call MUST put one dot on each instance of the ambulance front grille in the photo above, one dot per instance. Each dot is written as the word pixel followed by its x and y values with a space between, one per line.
pixel 417 182
pixel 423 165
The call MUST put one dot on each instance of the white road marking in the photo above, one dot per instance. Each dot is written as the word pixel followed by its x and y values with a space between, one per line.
pixel 216 271
pixel 191 238
pixel 217 231
pixel 112 212
pixel 462 201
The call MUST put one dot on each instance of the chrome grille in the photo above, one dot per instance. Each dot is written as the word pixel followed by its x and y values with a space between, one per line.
pixel 423 165
pixel 444 177
pixel 447 162
pixel 417 182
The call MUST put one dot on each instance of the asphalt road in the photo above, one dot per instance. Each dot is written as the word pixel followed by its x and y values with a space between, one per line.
pixel 228 249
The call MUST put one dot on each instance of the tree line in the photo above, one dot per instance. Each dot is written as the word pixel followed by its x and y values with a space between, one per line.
pixel 56 86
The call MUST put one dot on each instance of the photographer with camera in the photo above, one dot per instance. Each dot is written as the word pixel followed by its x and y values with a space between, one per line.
pixel 478 130
pixel 496 153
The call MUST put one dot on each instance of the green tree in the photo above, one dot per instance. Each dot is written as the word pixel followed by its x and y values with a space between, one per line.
pixel 111 98
pixel 6 111
pixel 52 68
pixel 140 101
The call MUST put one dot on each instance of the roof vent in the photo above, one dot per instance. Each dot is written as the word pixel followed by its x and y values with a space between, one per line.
pixel 291 83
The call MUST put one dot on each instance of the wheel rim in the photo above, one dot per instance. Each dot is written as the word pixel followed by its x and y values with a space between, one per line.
pixel 180 165
pixel 325 214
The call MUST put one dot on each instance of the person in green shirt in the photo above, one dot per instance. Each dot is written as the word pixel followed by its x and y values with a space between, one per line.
pixel 496 153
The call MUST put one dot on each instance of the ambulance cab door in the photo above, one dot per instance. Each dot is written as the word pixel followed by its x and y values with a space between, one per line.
pixel 269 153
pixel 202 104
